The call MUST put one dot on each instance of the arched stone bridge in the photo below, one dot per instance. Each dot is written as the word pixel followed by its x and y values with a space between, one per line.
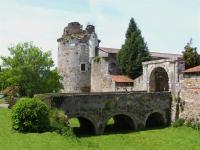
pixel 134 110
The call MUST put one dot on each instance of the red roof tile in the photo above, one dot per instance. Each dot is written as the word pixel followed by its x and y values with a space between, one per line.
pixel 193 69
pixel 121 78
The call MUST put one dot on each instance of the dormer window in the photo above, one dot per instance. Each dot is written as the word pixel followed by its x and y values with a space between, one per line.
pixel 83 67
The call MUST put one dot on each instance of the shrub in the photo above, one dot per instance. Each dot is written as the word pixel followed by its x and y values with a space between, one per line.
pixel 58 119
pixel 193 123
pixel 59 122
pixel 178 123
pixel 30 115
pixel 11 95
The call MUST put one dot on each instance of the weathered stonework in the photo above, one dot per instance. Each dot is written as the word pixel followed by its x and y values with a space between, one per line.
pixel 190 100
pixel 76 47
pixel 173 68
pixel 97 108
pixel 100 78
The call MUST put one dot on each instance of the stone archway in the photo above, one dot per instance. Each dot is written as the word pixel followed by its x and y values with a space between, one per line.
pixel 154 120
pixel 82 126
pixel 119 123
pixel 158 80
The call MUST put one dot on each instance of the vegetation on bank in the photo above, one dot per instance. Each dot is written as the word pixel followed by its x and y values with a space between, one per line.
pixel 183 138
pixel 31 115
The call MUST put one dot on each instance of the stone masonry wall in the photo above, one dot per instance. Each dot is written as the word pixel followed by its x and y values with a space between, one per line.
pixel 100 107
pixel 190 99
pixel 100 79
pixel 75 48
pixel 70 56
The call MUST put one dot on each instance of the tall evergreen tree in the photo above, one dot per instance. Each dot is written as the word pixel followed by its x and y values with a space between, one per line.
pixel 191 56
pixel 133 52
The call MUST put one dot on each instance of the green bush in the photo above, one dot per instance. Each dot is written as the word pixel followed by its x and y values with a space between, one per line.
pixel 59 122
pixel 30 115
pixel 178 122
pixel 58 119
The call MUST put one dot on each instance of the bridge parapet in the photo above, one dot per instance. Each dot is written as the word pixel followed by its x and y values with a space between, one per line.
pixel 98 108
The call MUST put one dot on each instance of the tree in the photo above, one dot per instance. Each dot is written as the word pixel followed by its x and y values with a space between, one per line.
pixel 133 52
pixel 29 68
pixel 190 56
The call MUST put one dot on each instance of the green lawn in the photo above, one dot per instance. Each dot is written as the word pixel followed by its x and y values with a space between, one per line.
pixel 161 139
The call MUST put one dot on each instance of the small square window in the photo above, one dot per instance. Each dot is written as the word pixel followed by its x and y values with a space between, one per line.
pixel 83 67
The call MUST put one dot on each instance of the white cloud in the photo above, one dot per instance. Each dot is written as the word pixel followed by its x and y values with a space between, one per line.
pixel 20 23
pixel 166 25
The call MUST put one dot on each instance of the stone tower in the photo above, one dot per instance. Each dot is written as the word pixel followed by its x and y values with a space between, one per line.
pixel 76 48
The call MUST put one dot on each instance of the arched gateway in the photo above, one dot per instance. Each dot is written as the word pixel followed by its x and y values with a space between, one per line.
pixel 159 80
pixel 162 75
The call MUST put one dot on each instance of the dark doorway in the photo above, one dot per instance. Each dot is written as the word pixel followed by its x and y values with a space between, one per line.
pixel 159 80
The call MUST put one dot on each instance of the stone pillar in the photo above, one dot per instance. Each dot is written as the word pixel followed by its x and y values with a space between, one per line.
pixel 145 77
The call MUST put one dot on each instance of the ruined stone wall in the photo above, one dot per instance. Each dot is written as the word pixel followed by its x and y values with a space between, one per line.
pixel 190 99
pixel 139 84
pixel 101 80
pixel 71 55
pixel 75 48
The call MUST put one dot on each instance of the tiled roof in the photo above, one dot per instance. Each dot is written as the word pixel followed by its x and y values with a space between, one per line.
pixel 121 78
pixel 153 54
pixel 193 69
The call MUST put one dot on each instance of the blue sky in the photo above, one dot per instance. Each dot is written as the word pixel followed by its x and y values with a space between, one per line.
pixel 166 25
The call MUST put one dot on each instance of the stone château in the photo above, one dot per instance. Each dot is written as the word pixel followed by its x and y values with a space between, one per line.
pixel 87 67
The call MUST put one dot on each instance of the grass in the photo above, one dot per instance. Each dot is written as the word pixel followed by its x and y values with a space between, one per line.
pixel 181 138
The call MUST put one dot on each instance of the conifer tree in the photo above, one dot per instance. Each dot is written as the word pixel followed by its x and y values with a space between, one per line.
pixel 191 56
pixel 133 52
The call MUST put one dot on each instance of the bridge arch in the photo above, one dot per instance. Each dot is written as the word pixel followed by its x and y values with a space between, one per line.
pixel 159 80
pixel 122 121
pixel 86 124
pixel 155 119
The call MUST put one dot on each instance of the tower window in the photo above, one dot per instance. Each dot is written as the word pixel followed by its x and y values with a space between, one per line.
pixel 83 67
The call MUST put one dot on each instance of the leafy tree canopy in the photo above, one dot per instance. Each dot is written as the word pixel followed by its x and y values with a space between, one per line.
pixel 29 68
pixel 133 52
pixel 190 55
